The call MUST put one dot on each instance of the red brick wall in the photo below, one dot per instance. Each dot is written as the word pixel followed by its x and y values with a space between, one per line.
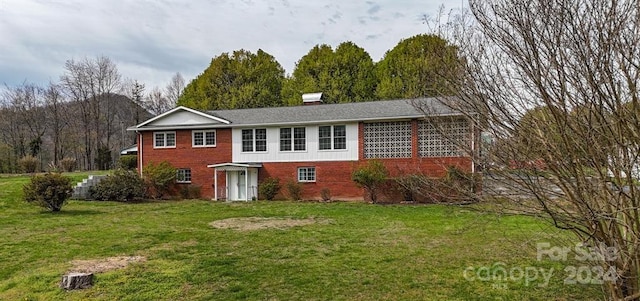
pixel 186 156
pixel 336 176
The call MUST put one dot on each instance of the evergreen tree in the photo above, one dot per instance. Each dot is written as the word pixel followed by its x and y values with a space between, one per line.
pixel 419 66
pixel 344 75
pixel 239 80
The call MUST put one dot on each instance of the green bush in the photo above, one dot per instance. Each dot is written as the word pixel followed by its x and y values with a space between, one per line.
pixel 159 178
pixel 28 164
pixel 67 164
pixel 370 176
pixel 49 191
pixel 269 188
pixel 191 192
pixel 128 162
pixel 122 185
pixel 295 190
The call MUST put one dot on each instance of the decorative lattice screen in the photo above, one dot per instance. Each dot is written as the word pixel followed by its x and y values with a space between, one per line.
pixel 387 139
pixel 443 138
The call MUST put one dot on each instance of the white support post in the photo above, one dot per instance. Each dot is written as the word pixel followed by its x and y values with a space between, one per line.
pixel 215 184
pixel 246 184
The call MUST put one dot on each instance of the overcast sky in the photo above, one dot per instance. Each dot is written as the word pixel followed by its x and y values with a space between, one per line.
pixel 152 40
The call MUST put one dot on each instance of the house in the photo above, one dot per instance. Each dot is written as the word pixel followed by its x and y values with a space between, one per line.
pixel 229 152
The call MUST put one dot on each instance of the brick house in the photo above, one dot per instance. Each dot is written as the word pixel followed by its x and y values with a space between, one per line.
pixel 229 152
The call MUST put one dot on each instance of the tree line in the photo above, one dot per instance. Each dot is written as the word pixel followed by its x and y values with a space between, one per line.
pixel 415 67
pixel 81 118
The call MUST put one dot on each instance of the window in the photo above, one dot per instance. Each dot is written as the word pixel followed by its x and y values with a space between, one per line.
pixel 332 137
pixel 247 140
pixel 254 140
pixel 306 174
pixel 203 138
pixel 261 140
pixel 183 175
pixel 285 139
pixel 164 139
pixel 298 140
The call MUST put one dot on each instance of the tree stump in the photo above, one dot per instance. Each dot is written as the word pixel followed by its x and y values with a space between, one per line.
pixel 74 281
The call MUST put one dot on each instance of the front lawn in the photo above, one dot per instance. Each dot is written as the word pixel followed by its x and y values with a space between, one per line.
pixel 350 251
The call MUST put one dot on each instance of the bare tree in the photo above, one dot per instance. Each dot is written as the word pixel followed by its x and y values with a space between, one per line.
pixel 578 62
pixel 157 103
pixel 89 83
pixel 174 89
pixel 109 81
pixel 11 127
pixel 58 120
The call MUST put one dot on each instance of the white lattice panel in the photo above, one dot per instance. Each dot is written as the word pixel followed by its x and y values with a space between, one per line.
pixel 442 138
pixel 387 140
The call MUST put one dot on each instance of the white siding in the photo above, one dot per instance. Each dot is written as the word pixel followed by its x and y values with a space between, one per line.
pixel 312 153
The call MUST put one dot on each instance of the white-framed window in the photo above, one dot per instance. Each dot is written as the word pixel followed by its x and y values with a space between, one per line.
pixel 164 139
pixel 293 139
pixel 254 140
pixel 183 175
pixel 203 138
pixel 306 174
pixel 332 137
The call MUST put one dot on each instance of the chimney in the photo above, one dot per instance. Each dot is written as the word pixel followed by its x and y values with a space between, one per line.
pixel 312 98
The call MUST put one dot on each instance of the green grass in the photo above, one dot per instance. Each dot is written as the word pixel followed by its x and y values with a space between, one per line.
pixel 365 252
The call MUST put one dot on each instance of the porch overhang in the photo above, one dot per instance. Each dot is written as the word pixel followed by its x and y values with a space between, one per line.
pixel 233 167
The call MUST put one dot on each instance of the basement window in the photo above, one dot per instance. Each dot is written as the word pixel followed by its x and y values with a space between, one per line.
pixel 306 174
pixel 183 175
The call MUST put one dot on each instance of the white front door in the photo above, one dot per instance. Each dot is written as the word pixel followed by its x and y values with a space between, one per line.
pixel 242 185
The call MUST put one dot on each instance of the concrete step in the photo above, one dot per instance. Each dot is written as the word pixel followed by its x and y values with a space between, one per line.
pixel 81 191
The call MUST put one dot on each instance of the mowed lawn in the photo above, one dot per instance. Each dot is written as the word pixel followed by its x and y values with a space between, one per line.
pixel 355 251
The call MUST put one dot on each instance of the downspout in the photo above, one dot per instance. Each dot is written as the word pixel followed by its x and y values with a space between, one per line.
pixel 140 151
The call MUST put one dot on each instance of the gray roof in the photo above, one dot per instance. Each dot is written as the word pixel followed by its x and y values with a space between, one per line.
pixel 325 113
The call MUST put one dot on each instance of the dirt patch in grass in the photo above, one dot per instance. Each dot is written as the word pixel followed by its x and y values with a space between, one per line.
pixel 104 264
pixel 259 223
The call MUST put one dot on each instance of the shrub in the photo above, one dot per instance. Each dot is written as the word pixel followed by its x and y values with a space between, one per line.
pixel 370 177
pixel 456 186
pixel 325 194
pixel 28 164
pixel 295 190
pixel 67 164
pixel 52 167
pixel 190 192
pixel 413 186
pixel 122 185
pixel 128 162
pixel 159 178
pixel 49 191
pixel 269 188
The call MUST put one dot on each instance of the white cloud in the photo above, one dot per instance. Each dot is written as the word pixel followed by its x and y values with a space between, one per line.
pixel 151 40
